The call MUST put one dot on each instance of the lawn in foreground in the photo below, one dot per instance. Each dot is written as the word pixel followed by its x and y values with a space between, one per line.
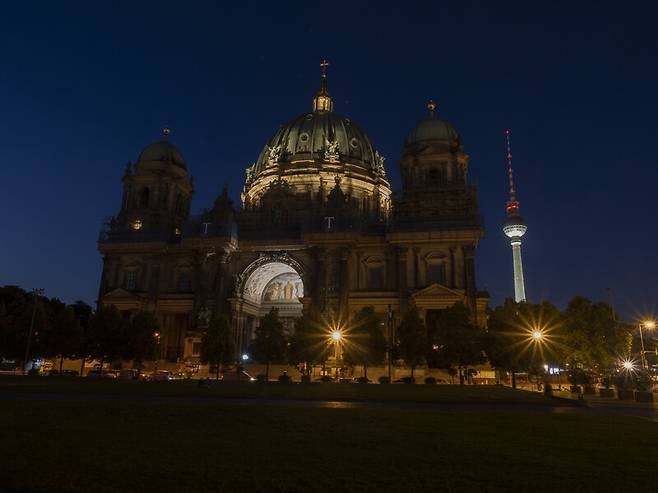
pixel 275 390
pixel 126 445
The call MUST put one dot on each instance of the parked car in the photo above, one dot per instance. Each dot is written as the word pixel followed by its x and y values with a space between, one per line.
pixel 235 376
pixel 162 376
pixel 108 374
pixel 129 374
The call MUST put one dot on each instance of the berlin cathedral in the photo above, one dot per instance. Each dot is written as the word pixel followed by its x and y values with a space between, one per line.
pixel 318 224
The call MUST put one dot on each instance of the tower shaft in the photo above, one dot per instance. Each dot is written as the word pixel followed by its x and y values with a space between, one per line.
pixel 519 284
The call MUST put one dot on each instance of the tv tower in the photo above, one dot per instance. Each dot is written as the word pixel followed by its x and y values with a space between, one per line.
pixel 514 228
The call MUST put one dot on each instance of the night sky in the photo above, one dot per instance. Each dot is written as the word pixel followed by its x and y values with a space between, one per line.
pixel 84 87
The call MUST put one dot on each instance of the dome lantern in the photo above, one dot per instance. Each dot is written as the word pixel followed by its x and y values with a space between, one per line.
pixel 322 101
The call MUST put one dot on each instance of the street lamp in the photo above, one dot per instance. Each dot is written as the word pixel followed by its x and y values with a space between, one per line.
pixel 537 335
pixel 649 325
pixel 337 337
pixel 36 292
pixel 156 335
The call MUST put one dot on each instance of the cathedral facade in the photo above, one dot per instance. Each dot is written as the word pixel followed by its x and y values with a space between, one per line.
pixel 318 224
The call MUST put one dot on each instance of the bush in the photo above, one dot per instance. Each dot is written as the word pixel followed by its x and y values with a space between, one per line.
pixel 430 380
pixel 326 378
pixel 409 380
pixel 306 379
pixel 642 380
pixel 623 380
pixel 578 376
pixel 362 380
pixel 285 378
pixel 33 372
pixel 261 378
pixel 384 380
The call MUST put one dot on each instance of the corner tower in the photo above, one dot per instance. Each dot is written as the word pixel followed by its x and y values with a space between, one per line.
pixel 514 228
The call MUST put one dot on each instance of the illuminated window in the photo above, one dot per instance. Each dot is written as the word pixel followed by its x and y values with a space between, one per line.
pixel 137 224
pixel 131 279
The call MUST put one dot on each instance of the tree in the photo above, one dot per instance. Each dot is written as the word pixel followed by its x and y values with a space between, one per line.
pixel 365 343
pixel 510 345
pixel 107 334
pixel 83 313
pixel 64 336
pixel 269 344
pixel 412 339
pixel 217 346
pixel 594 338
pixel 308 344
pixel 455 340
pixel 141 339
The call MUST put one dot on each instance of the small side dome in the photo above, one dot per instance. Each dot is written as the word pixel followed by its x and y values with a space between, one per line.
pixel 162 151
pixel 432 128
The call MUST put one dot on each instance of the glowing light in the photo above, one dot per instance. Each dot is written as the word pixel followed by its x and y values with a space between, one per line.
pixel 245 357
pixel 336 335
pixel 628 365
pixel 649 324
pixel 537 335
pixel 137 225
pixel 156 335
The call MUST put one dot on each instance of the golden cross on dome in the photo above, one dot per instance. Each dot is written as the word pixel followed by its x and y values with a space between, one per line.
pixel 431 105
pixel 166 131
pixel 323 65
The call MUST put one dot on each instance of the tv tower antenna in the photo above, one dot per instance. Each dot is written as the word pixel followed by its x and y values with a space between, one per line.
pixel 514 228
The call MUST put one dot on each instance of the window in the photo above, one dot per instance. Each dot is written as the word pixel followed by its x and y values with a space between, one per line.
pixel 196 348
pixel 131 279
pixel 375 276
pixel 435 272
pixel 184 282
pixel 144 198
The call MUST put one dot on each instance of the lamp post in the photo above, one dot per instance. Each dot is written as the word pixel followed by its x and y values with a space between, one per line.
pixel 336 336
pixel 156 335
pixel 36 292
pixel 649 325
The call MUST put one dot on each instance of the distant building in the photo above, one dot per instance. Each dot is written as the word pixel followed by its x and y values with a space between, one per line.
pixel 318 224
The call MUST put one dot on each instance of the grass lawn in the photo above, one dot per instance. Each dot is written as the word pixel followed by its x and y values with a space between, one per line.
pixel 274 390
pixel 131 444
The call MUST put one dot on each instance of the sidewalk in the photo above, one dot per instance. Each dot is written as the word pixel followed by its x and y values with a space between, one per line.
pixel 647 410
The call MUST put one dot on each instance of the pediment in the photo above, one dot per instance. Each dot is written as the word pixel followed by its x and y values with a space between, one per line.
pixel 438 291
pixel 120 293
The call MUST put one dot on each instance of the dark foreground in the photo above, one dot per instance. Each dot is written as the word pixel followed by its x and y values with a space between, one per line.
pixel 72 440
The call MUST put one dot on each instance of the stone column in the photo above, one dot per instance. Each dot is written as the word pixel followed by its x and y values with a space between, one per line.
pixel 220 291
pixel 416 255
pixel 402 254
pixel 344 282
pixel 469 269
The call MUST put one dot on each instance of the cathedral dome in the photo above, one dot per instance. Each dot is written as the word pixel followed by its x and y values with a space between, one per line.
pixel 162 151
pixel 432 128
pixel 319 136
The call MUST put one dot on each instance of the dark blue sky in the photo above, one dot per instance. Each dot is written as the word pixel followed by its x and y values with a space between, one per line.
pixel 85 86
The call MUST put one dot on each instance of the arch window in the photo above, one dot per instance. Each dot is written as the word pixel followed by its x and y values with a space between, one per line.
pixel 375 273
pixel 436 268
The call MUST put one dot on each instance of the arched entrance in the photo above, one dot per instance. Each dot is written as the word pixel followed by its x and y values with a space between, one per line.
pixel 274 280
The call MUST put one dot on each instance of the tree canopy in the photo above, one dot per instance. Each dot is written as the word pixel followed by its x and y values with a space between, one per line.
pixel 269 344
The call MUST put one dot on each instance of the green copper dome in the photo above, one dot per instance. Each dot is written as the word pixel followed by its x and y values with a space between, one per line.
pixel 162 151
pixel 319 136
pixel 432 129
